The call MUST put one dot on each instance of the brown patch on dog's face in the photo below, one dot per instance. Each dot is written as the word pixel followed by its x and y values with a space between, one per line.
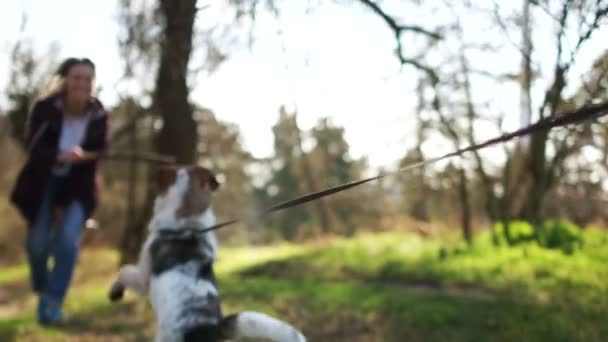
pixel 204 176
pixel 165 178
pixel 197 198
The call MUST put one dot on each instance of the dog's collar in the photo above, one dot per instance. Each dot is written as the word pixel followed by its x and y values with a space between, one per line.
pixel 181 233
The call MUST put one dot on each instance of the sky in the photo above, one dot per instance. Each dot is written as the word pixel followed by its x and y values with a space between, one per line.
pixel 337 62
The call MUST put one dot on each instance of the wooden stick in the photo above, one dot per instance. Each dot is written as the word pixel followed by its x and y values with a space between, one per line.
pixel 132 156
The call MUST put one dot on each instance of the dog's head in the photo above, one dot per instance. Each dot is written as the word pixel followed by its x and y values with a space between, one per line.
pixel 183 194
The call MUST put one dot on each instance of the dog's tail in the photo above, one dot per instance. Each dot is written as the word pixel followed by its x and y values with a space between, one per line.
pixel 247 325
pixel 255 325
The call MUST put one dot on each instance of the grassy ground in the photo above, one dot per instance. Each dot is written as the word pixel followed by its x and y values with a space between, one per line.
pixel 387 287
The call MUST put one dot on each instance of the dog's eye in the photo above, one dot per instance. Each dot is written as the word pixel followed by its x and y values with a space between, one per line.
pixel 205 177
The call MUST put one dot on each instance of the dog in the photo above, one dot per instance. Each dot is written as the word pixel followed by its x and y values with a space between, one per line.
pixel 175 268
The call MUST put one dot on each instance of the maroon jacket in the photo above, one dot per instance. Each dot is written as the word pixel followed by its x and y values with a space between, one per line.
pixel 44 130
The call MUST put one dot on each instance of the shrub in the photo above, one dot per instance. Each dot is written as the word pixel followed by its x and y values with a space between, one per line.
pixel 562 235
pixel 519 232
pixel 554 234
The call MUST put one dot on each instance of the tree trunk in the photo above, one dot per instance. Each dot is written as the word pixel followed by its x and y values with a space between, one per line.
pixel 506 201
pixel 486 181
pixel 419 209
pixel 462 187
pixel 463 192
pixel 526 71
pixel 136 232
pixel 322 209
pixel 539 170
pixel 178 135
pixel 128 248
pixel 537 157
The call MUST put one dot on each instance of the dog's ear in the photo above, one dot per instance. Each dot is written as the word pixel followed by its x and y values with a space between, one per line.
pixel 165 177
pixel 205 176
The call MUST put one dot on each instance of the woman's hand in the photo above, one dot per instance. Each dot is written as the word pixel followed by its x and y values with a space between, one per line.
pixel 73 156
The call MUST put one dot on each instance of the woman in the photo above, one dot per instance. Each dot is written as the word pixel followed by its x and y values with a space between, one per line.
pixel 57 189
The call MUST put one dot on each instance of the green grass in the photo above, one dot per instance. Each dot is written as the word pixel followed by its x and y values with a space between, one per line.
pixel 13 273
pixel 384 287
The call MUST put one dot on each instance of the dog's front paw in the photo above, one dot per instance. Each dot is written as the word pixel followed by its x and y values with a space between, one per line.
pixel 117 291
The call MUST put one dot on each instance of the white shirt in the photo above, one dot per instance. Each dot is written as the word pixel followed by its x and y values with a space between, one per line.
pixel 73 131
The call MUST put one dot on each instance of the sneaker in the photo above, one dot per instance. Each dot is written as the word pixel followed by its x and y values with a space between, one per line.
pixel 49 312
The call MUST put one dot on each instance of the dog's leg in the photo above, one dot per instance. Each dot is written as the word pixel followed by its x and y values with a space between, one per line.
pixel 129 277
pixel 255 325
pixel 135 277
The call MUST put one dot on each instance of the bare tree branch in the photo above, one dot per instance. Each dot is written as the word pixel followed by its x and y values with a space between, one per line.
pixel 545 10
pixel 562 29
pixel 397 31
pixel 505 30
pixel 553 94
pixel 565 149
pixel 599 15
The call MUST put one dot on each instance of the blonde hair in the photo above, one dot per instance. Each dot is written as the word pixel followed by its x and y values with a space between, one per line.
pixel 56 85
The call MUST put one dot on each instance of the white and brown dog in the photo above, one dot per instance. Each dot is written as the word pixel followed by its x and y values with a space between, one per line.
pixel 175 268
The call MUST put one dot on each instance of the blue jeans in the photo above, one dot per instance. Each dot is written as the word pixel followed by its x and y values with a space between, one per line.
pixel 60 240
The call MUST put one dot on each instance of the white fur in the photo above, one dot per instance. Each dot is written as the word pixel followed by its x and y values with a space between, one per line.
pixel 137 277
pixel 255 325
pixel 167 205
pixel 173 290
pixel 170 292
